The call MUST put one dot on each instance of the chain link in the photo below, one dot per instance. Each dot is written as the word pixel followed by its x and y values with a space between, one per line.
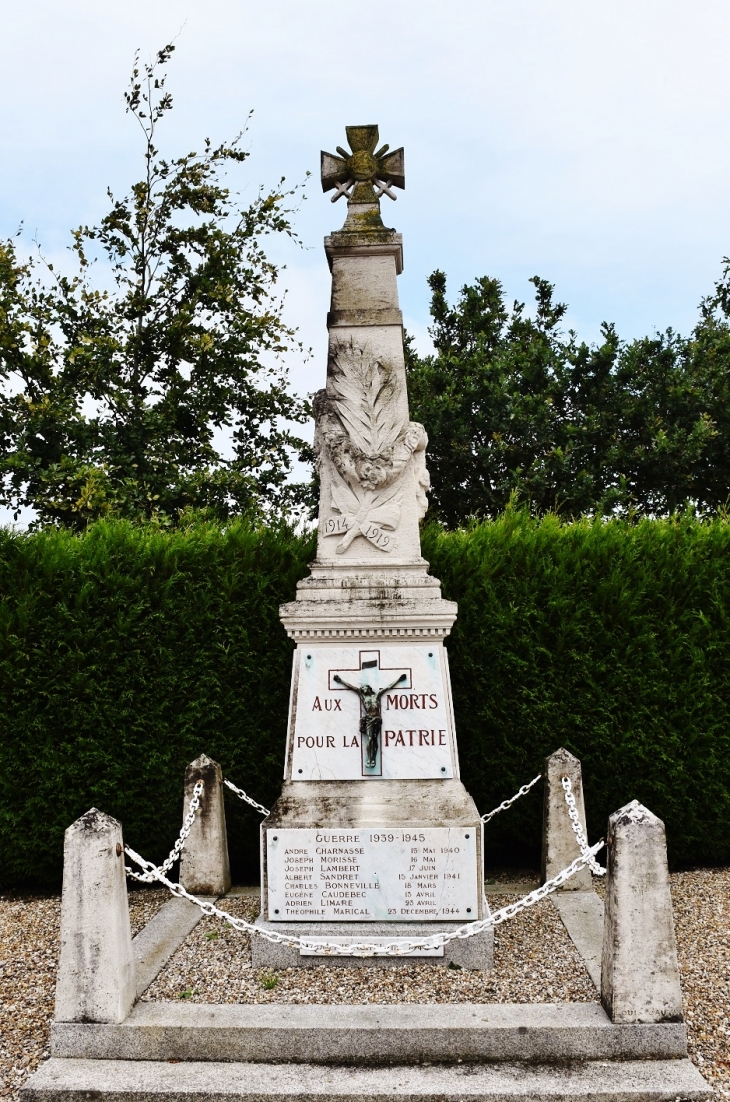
pixel 395 948
pixel 593 865
pixel 148 877
pixel 402 947
pixel 508 803
pixel 242 796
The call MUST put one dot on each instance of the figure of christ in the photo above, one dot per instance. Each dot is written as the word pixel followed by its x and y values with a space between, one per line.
pixel 372 721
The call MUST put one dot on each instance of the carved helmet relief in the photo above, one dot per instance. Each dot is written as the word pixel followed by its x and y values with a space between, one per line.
pixel 367 443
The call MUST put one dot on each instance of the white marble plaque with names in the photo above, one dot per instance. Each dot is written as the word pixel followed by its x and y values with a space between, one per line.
pixel 412 686
pixel 388 874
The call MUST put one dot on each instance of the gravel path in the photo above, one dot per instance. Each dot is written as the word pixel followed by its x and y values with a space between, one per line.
pixel 534 962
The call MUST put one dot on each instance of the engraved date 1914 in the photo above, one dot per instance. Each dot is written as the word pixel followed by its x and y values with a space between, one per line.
pixel 334 526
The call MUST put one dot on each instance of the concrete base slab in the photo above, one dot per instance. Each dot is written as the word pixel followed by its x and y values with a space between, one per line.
pixel 162 936
pixel 582 915
pixel 144 1081
pixel 370 1035
pixel 473 953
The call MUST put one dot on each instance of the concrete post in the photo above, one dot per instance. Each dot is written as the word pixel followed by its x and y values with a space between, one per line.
pixel 639 970
pixel 96 981
pixel 559 844
pixel 204 866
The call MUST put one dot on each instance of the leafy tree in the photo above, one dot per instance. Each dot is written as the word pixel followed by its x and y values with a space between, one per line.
pixel 167 390
pixel 515 407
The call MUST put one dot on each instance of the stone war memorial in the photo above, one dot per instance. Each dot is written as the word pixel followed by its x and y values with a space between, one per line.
pixel 372 856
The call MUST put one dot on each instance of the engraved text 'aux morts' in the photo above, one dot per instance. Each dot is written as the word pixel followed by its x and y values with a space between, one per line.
pixel 383 714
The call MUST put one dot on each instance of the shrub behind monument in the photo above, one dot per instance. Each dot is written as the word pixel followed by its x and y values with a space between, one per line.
pixel 128 651
pixel 609 638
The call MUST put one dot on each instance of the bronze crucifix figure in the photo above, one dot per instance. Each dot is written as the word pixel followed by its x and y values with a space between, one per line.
pixel 372 721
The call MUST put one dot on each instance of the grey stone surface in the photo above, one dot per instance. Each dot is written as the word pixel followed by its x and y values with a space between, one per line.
pixel 640 972
pixel 582 915
pixel 329 804
pixel 204 866
pixel 472 953
pixel 368 1034
pixel 95 979
pixel 161 937
pixel 124 1081
pixel 559 845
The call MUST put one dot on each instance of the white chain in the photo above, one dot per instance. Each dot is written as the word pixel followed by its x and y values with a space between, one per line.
pixel 508 803
pixel 595 868
pixel 394 948
pixel 242 795
pixel 148 877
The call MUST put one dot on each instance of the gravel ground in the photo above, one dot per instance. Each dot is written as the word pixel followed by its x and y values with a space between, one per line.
pixel 29 930
pixel 534 962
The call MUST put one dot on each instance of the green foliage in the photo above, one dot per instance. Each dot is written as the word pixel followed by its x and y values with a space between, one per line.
pixel 125 653
pixel 515 407
pixel 166 392
pixel 128 650
pixel 609 638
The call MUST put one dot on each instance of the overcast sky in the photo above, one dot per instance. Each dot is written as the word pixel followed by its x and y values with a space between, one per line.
pixel 585 142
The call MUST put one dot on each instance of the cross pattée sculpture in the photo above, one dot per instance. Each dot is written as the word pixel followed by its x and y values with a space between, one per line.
pixel 363 175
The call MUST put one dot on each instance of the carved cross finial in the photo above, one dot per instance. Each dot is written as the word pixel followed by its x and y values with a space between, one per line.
pixel 364 174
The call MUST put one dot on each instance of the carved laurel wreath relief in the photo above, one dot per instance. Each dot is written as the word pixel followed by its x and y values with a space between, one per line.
pixel 367 443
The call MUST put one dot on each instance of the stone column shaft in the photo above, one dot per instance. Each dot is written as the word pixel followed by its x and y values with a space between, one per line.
pixel 204 865
pixel 96 981
pixel 559 844
pixel 640 973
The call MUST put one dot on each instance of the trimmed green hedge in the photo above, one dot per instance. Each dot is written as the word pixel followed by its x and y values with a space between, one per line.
pixel 127 651
pixel 611 639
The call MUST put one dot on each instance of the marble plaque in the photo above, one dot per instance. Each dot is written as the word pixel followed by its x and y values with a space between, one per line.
pixel 395 874
pixel 416 736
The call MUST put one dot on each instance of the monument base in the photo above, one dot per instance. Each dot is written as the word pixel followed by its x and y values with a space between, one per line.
pixel 472 953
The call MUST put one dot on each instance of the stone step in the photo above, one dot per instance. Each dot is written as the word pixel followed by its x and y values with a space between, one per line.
pixel 145 1081
pixel 368 1034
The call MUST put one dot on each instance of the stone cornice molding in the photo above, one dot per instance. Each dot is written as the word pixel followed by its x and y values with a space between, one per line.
pixel 344 244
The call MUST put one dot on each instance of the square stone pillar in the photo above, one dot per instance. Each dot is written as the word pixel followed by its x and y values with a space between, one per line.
pixel 640 973
pixel 96 981
pixel 204 865
pixel 559 844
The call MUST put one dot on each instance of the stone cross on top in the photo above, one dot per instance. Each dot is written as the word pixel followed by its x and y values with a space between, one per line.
pixel 364 174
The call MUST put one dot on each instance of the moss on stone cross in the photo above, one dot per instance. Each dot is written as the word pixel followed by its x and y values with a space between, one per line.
pixel 363 174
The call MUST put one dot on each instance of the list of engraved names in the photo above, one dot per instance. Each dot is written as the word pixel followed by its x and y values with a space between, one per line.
pixel 372 874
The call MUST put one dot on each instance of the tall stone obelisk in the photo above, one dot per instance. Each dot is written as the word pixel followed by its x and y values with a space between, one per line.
pixel 373 824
